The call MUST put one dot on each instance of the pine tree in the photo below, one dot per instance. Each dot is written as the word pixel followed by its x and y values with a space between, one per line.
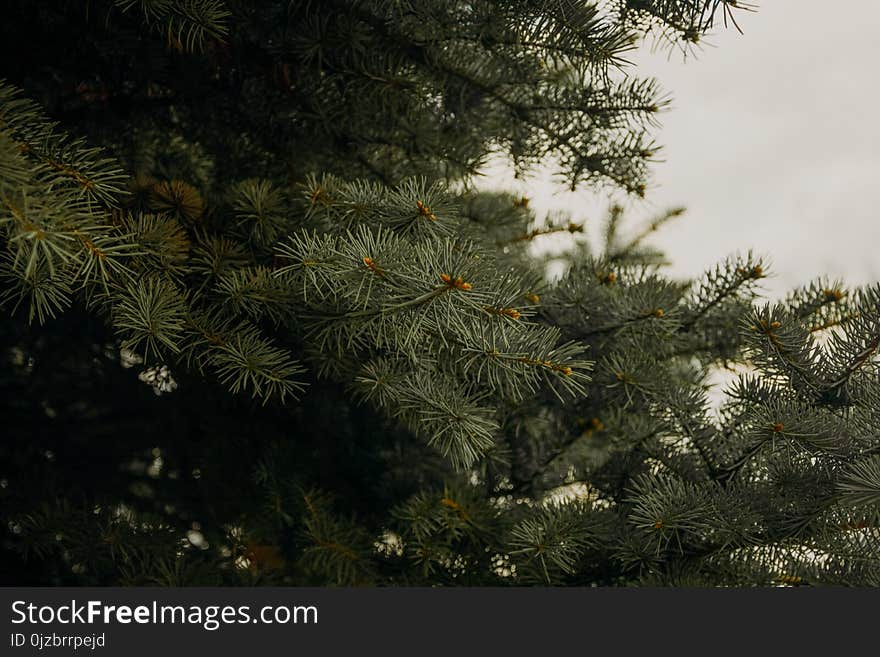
pixel 262 329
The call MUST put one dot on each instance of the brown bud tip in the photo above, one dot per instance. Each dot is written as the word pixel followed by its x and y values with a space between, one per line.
pixel 833 295
pixel 425 211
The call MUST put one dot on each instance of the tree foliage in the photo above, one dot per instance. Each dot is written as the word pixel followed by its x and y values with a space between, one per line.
pixel 262 329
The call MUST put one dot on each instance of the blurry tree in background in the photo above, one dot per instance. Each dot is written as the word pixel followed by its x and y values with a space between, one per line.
pixel 260 329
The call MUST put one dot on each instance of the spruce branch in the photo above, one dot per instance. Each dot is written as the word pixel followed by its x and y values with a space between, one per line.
pixel 187 24
pixel 451 421
pixel 726 282
pixel 248 362
pixel 261 210
pixel 46 294
pixel 150 317
pixel 859 485
pixel 335 548
pixel 66 159
pixel 551 540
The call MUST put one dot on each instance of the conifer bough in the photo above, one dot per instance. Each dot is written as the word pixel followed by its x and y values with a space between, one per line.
pixel 357 371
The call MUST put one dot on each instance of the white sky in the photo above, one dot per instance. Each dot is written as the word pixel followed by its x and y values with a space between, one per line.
pixel 772 143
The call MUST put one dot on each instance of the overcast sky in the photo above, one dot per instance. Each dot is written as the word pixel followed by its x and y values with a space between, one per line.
pixel 772 143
